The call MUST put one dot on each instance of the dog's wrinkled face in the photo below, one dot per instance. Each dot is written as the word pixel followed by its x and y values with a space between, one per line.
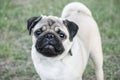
pixel 52 36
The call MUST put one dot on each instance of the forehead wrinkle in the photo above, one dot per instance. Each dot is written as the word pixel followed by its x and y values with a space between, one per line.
pixel 50 22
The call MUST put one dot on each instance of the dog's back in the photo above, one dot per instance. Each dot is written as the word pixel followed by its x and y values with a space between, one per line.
pixel 82 16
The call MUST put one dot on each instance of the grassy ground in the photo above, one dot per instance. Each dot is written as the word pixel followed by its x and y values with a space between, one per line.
pixel 15 43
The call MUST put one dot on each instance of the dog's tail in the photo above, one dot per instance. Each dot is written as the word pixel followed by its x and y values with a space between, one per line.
pixel 75 7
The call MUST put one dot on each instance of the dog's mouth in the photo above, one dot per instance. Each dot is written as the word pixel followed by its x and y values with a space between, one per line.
pixel 49 48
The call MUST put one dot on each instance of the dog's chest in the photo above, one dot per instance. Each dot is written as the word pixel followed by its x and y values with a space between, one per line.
pixel 54 71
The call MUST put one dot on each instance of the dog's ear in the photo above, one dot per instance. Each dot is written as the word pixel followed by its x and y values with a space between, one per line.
pixel 31 22
pixel 72 28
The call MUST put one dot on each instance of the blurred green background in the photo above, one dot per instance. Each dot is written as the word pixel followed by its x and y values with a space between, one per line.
pixel 15 43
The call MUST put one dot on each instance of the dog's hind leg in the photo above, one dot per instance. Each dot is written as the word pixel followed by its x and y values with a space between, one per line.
pixel 97 58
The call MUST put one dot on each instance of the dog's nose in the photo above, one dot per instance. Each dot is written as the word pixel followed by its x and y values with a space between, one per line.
pixel 49 36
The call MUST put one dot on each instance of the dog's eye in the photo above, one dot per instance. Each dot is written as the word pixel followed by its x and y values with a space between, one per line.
pixel 37 33
pixel 62 35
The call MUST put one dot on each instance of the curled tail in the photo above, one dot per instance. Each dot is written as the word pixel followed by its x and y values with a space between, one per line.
pixel 75 7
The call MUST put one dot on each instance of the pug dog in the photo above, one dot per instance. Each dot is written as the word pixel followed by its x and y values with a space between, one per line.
pixel 62 46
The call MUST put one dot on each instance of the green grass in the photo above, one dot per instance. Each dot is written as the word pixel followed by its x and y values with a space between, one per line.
pixel 15 43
